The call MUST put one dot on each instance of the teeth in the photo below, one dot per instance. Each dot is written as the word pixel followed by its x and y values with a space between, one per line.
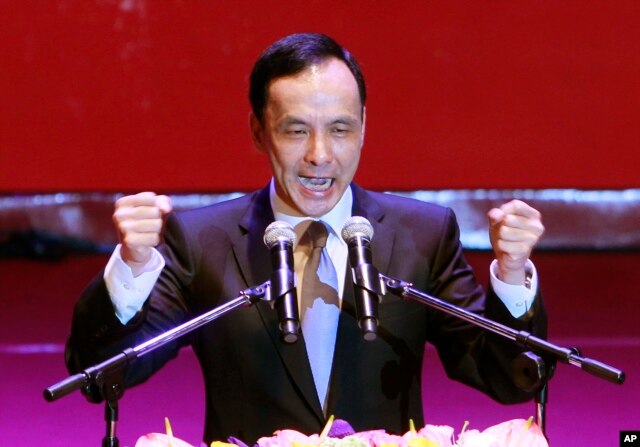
pixel 315 183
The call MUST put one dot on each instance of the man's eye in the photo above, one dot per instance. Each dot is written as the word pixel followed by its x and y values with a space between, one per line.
pixel 340 130
pixel 297 131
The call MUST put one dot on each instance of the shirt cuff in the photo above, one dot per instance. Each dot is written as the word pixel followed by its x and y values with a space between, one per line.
pixel 518 299
pixel 128 293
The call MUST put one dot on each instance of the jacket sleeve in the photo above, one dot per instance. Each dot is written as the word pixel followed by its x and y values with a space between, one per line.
pixel 97 334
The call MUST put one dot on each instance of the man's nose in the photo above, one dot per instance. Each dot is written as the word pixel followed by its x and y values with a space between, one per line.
pixel 319 150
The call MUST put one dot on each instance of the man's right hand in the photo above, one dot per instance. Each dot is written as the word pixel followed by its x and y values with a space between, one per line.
pixel 139 220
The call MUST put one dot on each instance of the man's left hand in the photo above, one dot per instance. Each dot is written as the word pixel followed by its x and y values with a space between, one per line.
pixel 514 229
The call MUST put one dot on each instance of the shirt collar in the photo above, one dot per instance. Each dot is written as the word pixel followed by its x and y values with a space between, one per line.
pixel 335 218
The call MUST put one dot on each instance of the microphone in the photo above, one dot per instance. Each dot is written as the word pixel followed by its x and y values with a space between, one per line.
pixel 357 233
pixel 279 238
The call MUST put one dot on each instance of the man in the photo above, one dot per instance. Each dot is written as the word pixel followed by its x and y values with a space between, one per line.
pixel 308 98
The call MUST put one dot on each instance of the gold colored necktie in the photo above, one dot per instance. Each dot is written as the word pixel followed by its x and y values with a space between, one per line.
pixel 319 307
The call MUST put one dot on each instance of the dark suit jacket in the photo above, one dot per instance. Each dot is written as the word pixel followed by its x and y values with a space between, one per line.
pixel 254 382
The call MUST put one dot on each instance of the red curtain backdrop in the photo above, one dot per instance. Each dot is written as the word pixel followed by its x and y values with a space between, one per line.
pixel 138 94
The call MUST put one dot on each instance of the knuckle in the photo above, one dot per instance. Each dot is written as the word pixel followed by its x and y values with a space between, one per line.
pixel 120 201
pixel 128 240
pixel 145 196
pixel 119 215
pixel 124 227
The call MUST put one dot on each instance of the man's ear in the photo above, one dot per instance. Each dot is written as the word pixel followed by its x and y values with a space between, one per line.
pixel 256 132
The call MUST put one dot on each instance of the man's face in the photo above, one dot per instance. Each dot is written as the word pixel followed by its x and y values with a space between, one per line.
pixel 312 131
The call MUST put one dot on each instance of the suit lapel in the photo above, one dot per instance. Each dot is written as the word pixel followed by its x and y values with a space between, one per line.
pixel 383 234
pixel 250 253
pixel 254 261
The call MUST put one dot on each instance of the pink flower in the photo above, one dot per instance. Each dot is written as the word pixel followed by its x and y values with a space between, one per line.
pixel 518 433
pixel 288 438
pixel 475 438
pixel 160 440
pixel 442 435
pixel 380 438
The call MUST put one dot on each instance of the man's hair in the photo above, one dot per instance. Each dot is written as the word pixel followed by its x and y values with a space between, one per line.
pixel 292 55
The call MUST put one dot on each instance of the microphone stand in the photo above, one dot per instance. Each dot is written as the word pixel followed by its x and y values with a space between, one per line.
pixel 534 376
pixel 108 376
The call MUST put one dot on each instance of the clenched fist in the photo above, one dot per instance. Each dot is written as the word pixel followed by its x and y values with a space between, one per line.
pixel 139 220
pixel 514 229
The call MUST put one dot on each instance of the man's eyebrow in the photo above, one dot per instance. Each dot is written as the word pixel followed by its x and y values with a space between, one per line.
pixel 297 120
pixel 346 119
pixel 288 120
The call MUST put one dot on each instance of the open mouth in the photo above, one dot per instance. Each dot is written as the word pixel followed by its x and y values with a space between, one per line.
pixel 316 183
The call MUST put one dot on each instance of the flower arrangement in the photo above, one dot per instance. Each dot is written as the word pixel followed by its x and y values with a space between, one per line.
pixel 338 433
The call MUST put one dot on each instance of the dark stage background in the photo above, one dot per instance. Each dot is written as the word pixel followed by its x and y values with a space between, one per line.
pixel 115 96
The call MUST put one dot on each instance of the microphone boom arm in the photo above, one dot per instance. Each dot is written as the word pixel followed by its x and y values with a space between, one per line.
pixel 542 347
pixel 108 377
pixel 531 372
pixel 85 378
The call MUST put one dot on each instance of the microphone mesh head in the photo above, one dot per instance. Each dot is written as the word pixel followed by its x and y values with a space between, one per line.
pixel 279 231
pixel 356 226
